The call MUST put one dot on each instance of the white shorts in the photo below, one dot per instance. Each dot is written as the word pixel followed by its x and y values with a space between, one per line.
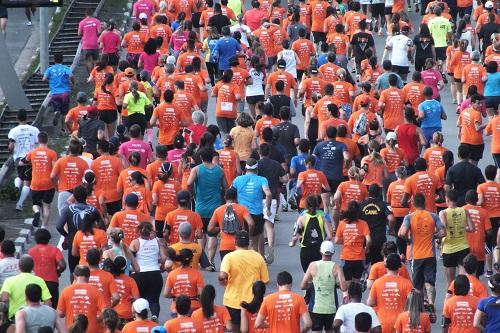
pixel 274 205
pixel 365 2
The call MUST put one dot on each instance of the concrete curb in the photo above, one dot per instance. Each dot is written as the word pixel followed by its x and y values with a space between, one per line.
pixel 23 239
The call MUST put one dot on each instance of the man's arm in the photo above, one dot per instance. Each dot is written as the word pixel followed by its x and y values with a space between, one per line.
pixel 21 321
pixel 223 277
pixel 307 322
pixel 307 279
pixel 260 322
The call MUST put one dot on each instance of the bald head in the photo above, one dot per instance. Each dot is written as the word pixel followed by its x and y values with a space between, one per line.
pixel 26 264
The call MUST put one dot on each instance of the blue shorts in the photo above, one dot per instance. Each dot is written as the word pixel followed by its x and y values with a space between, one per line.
pixel 429 131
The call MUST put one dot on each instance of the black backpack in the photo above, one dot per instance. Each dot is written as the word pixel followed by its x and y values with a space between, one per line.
pixel 230 222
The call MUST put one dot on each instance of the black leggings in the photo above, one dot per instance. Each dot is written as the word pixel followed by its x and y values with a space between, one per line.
pixel 150 285
pixel 308 255
pixel 401 242
pixel 72 263
pixel 54 292
pixel 213 69
pixel 139 119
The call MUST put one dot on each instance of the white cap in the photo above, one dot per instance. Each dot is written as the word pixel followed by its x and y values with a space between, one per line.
pixel 143 16
pixel 171 60
pixel 140 304
pixel 327 248
pixel 488 4
pixel 391 136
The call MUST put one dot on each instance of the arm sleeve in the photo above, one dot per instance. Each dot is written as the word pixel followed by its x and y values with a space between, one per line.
pixel 437 221
pixel 406 221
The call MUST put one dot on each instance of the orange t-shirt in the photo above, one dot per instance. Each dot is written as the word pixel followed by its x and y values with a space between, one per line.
pixel 185 103
pixel 214 324
pixel 390 293
pixel 265 121
pixel 265 37
pixel 227 160
pixel 104 282
pixel 128 290
pixel 135 41
pixel 351 190
pixel 139 326
pixel 467 121
pixel 240 76
pixel 493 129
pixel 353 239
pixel 398 6
pixel 458 61
pixel 375 173
pixel 331 122
pixel 152 170
pixel 42 159
pixel 414 92
pixel 304 49
pixel 185 281
pixel 165 83
pixel 493 57
pixel 106 100
pixel 393 159
pixel 317 11
pixel 352 22
pixel 402 324
pixel 343 91
pixel 422 226
pixel 340 41
pixel 84 242
pixel 69 170
pixel 283 310
pixel 313 182
pixel 281 75
pixel 192 83
pixel 227 241
pixel 356 106
pixel 378 270
pixel 477 288
pixel 321 108
pixel 107 170
pixel 394 100
pixel 163 31
pixel 183 325
pixel 186 6
pixel 98 75
pixel 169 119
pixel 474 74
pixel 395 193
pixel 371 74
pixel 425 183
pixel 226 99
pixel 144 195
pixel 123 181
pixel 166 193
pixel 74 300
pixel 312 85
pixel 128 220
pixel 460 310
pixel 352 149
pixel 76 114
pixel 186 58
pixel 176 217
pixel 434 158
pixel 329 71
pixel 491 197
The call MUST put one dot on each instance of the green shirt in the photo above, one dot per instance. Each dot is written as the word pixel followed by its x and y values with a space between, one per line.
pixel 235 5
pixel 324 288
pixel 138 106
pixel 15 286
pixel 439 27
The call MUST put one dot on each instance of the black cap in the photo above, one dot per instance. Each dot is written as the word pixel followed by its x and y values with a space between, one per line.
pixel 242 234
pixel 281 63
pixel 131 199
pixel 183 197
pixel 313 70
pixel 393 262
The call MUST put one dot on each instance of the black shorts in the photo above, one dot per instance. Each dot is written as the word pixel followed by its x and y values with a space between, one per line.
pixel 39 197
pixel 3 12
pixel 322 321
pixel 496 158
pixel 492 102
pixel 424 271
pixel 491 241
pixel 235 315
pixel 457 80
pixel 159 227
pixel 388 10
pixel 255 99
pixel 258 221
pixel 454 259
pixel 480 269
pixel 378 10
pixel 92 54
pixel 401 70
pixel 195 19
pixel 60 103
pixel 353 269
pixel 375 254
pixel 440 53
pixel 108 116
pixel 113 207
pixel 205 221
pixel 24 172
pixel 476 151
pixel 333 185
pixel 319 36
pixel 113 59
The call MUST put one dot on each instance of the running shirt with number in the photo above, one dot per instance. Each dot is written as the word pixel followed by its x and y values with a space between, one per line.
pixel 25 137
pixel 439 28
pixel 456 221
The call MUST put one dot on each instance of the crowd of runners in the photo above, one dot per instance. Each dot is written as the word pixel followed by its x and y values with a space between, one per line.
pixel 150 192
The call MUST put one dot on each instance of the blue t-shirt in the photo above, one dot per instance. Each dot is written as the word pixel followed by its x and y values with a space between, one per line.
pixel 298 163
pixel 250 191
pixel 212 42
pixel 492 86
pixel 322 59
pixel 58 76
pixel 432 110
pixel 330 156
pixel 208 187
pixel 225 49
pixel 492 310
pixel 382 82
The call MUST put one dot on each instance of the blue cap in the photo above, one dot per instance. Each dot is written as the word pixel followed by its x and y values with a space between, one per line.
pixel 158 329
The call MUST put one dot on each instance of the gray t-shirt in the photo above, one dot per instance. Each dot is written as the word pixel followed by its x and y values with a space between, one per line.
pixel 8 267
pixel 39 316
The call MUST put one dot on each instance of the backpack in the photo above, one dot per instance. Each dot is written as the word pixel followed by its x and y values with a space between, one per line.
pixel 230 222
pixel 360 124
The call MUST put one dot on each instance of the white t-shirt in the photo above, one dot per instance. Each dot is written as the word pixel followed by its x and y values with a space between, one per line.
pixel 255 89
pixel 348 312
pixel 8 267
pixel 291 61
pixel 244 30
pixel 25 138
pixel 400 45
pixel 389 3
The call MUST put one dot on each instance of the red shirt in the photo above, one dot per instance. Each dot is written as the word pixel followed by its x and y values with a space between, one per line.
pixel 46 258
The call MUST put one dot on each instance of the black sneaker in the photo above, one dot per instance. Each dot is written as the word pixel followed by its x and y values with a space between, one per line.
pixel 55 120
pixel 445 80
pixel 36 219
pixel 211 267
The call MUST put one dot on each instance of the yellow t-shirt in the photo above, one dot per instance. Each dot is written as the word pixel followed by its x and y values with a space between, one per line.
pixel 243 267
pixel 195 247
pixel 456 236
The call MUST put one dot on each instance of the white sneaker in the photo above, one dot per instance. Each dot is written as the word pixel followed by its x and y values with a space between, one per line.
pixel 29 23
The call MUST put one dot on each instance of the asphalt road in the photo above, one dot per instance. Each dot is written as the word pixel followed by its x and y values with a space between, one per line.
pixel 287 258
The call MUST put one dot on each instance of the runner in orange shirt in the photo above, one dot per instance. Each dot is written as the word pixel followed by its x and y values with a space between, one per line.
pixel 126 288
pixel 77 113
pixel 267 120
pixel 493 129
pixel 183 322
pixel 182 214
pixel 474 74
pixel 74 300
pixel 354 236
pixel 305 50
pixel 349 190
pixel 163 196
pixel 470 129
pixel 414 319
pixel 284 300
pixel 373 166
pixel 228 159
pixel 184 280
pixel 98 73
pixel 395 193
pixel 138 187
pixel 140 323
pixel 458 61
pixel 312 84
pixel 102 279
pixel 311 182
pixel 42 161
pixel 378 269
pixel 184 102
pixel 414 91
pixel 228 94
pixel 280 74
pixel 333 119
pixel 161 29
pixel 471 267
pixel 459 310
pixel 88 237
pixel 134 42
pixel 329 70
pixel 213 318
pixel 249 310
pixel 434 154
pixel 392 102
pixel 124 180
pixel 393 157
pixel 318 12
pixel 388 294
pixel 129 219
